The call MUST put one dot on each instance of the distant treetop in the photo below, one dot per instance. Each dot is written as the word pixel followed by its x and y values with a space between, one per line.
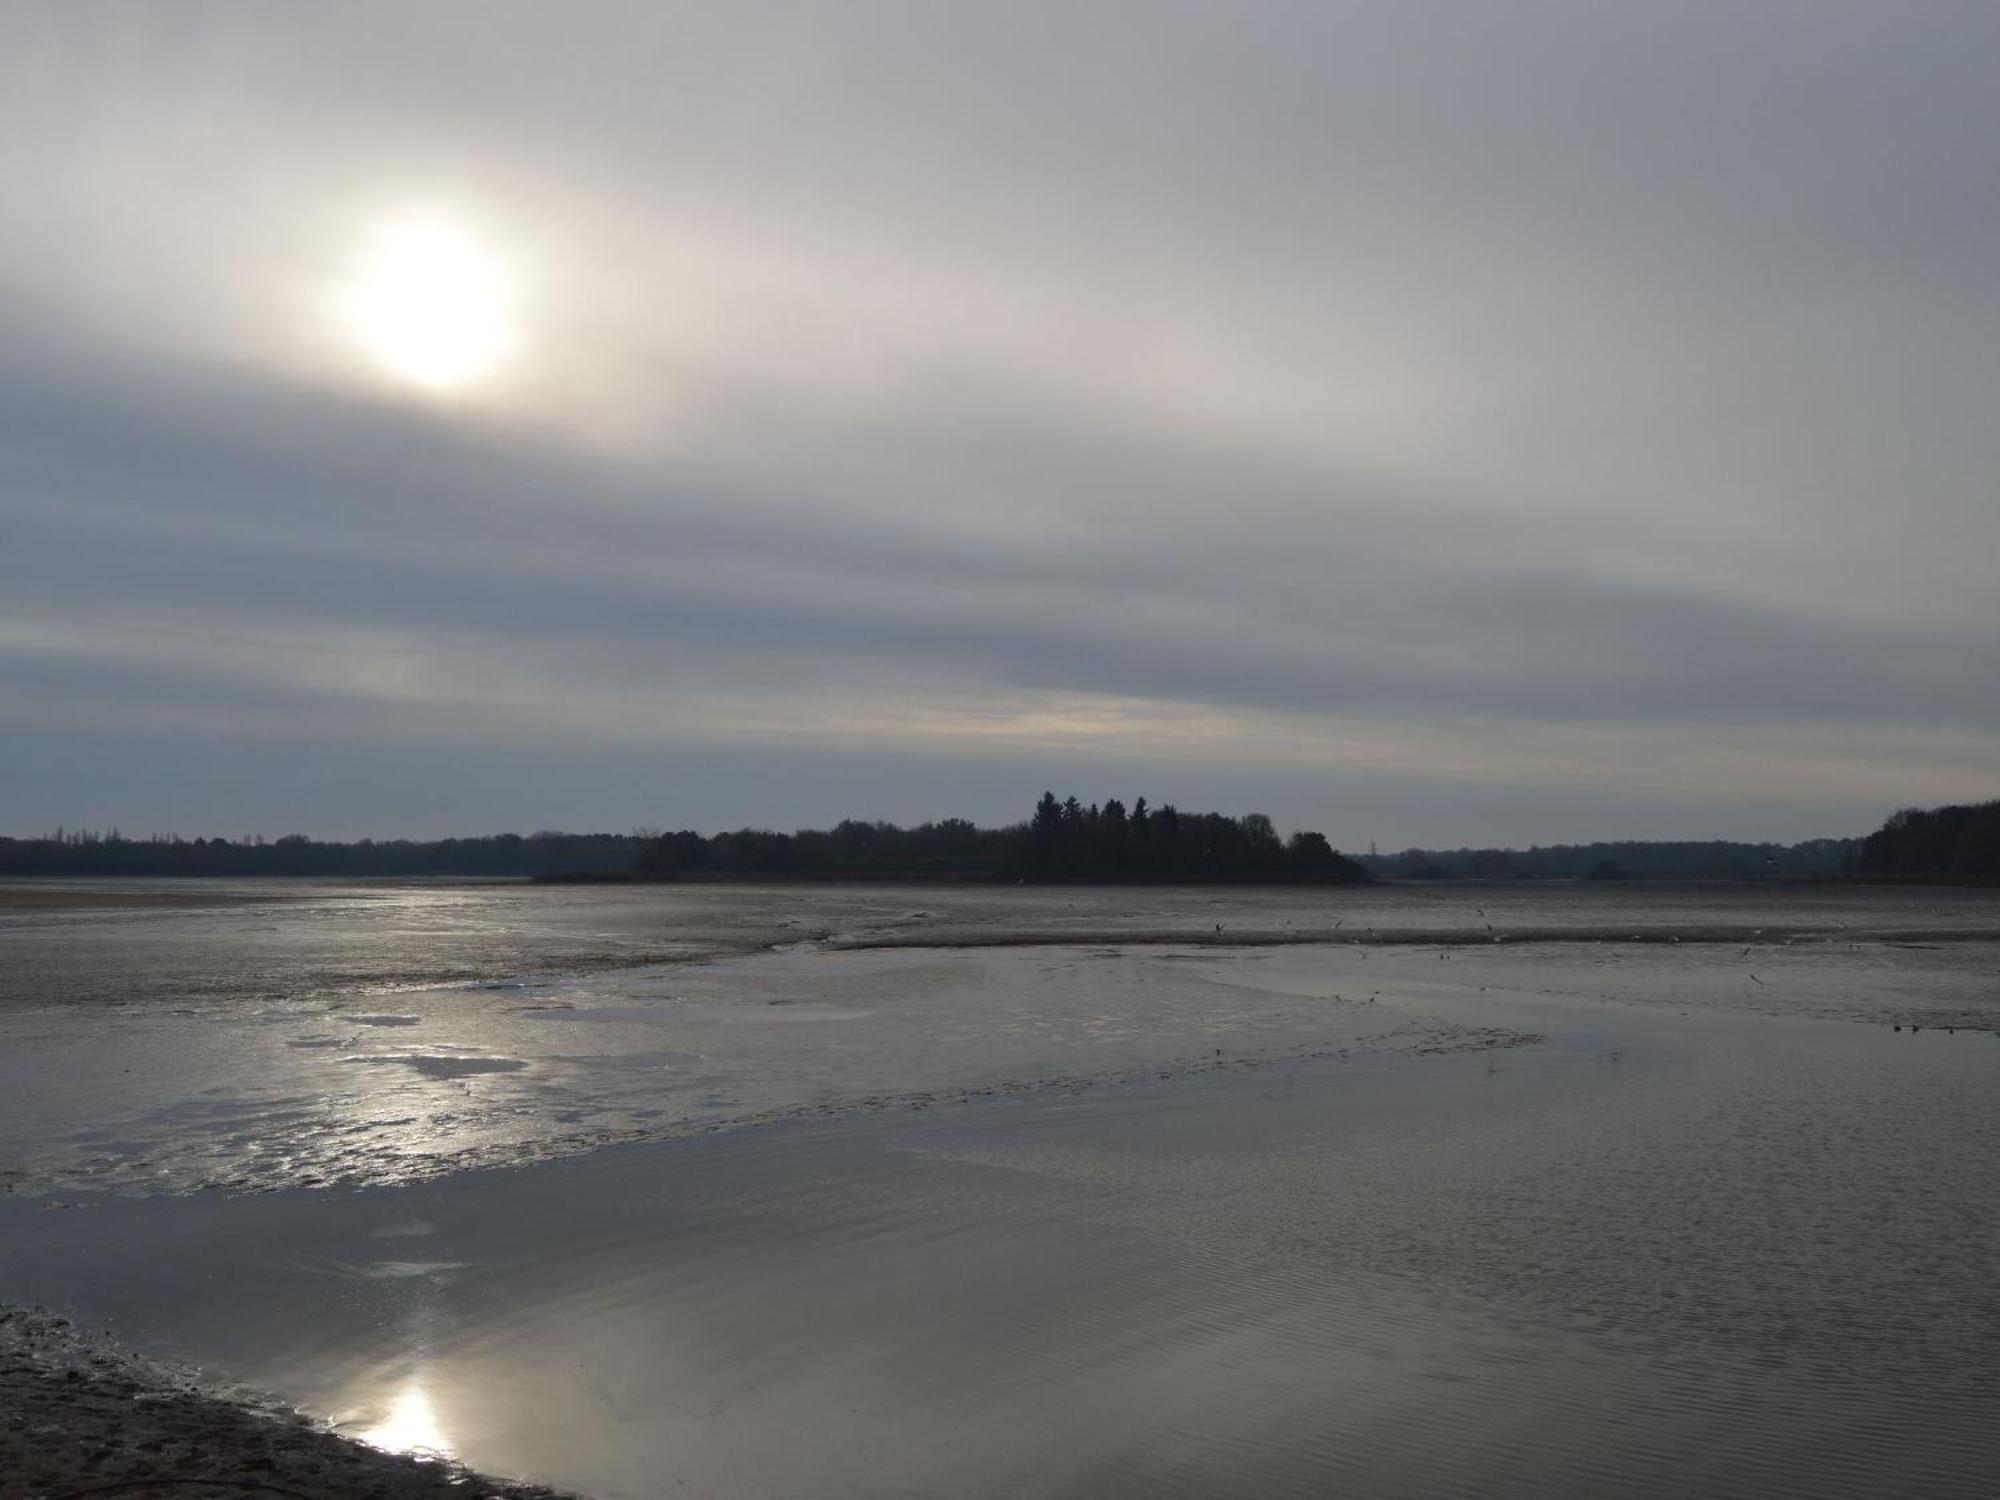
pixel 1062 841
pixel 1943 841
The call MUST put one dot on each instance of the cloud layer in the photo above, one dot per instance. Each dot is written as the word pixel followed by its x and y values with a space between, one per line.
pixel 1429 422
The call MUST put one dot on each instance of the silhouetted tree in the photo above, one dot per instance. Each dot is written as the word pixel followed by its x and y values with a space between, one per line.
pixel 1949 841
pixel 1068 841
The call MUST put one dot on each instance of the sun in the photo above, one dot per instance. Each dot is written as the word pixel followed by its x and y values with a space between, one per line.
pixel 431 305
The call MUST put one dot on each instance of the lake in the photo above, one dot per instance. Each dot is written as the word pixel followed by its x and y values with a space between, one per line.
pixel 902 1190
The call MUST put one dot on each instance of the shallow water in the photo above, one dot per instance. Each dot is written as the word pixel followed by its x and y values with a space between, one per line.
pixel 1726 1262
pixel 1021 1230
pixel 308 1038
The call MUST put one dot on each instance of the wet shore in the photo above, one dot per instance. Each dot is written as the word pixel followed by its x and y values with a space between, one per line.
pixel 80 1416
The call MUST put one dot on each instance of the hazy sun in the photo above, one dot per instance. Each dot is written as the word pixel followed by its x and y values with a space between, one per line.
pixel 431 304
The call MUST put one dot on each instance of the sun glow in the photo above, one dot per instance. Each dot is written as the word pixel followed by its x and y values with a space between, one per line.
pixel 410 1427
pixel 431 304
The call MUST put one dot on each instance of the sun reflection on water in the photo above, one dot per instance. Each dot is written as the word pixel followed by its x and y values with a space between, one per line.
pixel 411 1425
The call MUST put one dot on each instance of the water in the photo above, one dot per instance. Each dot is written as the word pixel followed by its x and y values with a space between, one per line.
pixel 1554 1217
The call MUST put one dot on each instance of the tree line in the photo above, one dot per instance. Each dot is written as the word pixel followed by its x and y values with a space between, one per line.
pixel 952 848
pixel 1062 841
pixel 68 852
pixel 1632 859
pixel 1954 842
pixel 1068 841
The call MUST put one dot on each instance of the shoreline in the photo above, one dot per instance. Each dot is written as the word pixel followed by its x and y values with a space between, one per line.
pixel 62 898
pixel 86 1416
pixel 1395 937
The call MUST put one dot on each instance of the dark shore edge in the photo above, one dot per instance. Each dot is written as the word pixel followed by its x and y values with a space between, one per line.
pixel 1301 882
pixel 82 1416
pixel 989 878
pixel 1345 936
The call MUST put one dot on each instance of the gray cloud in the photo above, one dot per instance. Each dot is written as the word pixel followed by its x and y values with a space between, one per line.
pixel 1431 405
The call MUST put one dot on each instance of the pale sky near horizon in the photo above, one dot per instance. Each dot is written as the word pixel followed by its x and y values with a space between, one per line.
pixel 1434 423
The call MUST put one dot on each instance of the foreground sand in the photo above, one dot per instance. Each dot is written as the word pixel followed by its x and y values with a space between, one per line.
pixel 79 1416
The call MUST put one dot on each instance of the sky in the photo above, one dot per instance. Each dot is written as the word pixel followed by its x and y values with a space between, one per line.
pixel 1432 423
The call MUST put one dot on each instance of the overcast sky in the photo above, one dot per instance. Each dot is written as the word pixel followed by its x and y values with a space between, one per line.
pixel 1431 423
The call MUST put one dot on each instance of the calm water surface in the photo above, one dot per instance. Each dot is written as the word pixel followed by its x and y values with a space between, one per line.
pixel 1552 1217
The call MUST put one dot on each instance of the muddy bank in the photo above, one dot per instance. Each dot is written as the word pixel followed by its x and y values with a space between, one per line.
pixel 80 1416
